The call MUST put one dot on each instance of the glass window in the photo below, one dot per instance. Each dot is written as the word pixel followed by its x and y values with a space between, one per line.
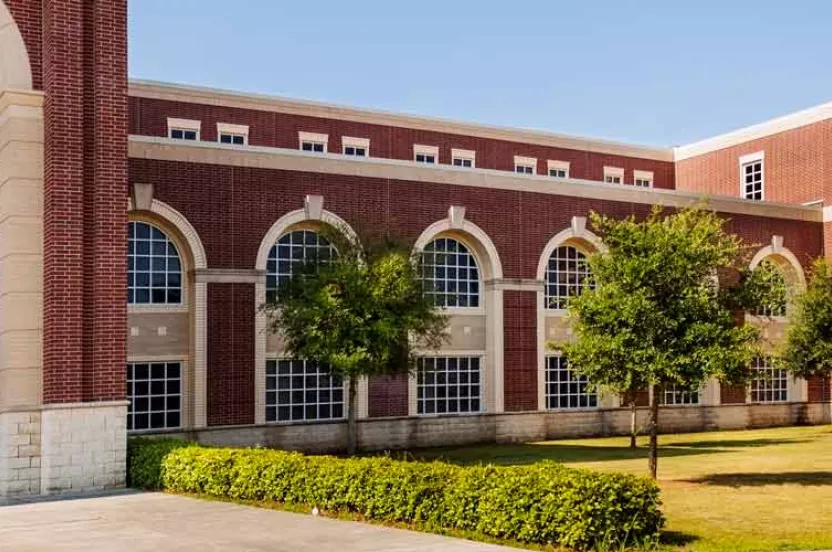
pixel 643 183
pixel 558 173
pixel 677 395
pixel 317 147
pixel 524 169
pixel 182 134
pixel 290 252
pixel 236 139
pixel 463 162
pixel 612 179
pixel 154 390
pixel 770 384
pixel 356 151
pixel 300 390
pixel 752 180
pixel 565 389
pixel 425 158
pixel 450 274
pixel 154 269
pixel 780 299
pixel 448 385
pixel 567 275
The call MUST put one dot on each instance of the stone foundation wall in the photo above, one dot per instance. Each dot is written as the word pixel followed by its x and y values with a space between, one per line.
pixel 406 433
pixel 19 453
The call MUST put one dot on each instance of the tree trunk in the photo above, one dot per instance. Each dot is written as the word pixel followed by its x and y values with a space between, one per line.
pixel 352 425
pixel 633 426
pixel 654 432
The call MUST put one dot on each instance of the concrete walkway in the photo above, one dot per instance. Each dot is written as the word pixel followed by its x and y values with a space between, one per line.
pixel 154 522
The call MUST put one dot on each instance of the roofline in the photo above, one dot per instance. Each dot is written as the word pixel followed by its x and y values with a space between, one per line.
pixel 167 149
pixel 754 132
pixel 263 102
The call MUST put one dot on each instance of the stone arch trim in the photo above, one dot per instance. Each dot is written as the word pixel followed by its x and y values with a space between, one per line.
pixel 15 68
pixel 471 235
pixel 199 308
pixel 783 257
pixel 580 236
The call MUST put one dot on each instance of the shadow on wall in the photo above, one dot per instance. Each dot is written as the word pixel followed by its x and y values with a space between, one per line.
pixel 813 479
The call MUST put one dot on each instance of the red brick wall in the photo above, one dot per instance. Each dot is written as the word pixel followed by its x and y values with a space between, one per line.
pixel 732 394
pixel 388 395
pixel 819 389
pixel 520 345
pixel 149 117
pixel 85 191
pixel 28 16
pixel 230 354
pixel 794 166
pixel 232 208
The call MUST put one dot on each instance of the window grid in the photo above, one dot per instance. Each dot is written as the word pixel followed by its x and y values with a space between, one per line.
pixel 183 134
pixel 463 162
pixel 778 307
pixel 154 269
pixel 425 158
pixel 675 395
pixel 752 175
pixel 770 384
pixel 290 253
pixel 567 275
pixel 565 389
pixel 308 145
pixel 524 169
pixel 356 151
pixel 450 274
pixel 612 179
pixel 154 390
pixel 299 390
pixel 448 385
pixel 643 183
pixel 558 173
pixel 231 138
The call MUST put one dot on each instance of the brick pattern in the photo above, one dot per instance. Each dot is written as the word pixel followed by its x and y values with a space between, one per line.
pixel 388 395
pixel 819 389
pixel 85 190
pixel 794 166
pixel 148 117
pixel 520 356
pixel 230 354
pixel 28 15
pixel 19 453
pixel 732 394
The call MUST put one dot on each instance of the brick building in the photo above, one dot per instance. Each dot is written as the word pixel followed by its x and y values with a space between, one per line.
pixel 142 224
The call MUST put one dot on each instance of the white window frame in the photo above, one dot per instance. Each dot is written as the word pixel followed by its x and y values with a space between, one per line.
pixel 353 142
pixel 190 125
pixel 685 396
pixel 464 155
pixel 643 176
pixel 756 157
pixel 313 138
pixel 131 365
pixel 520 161
pixel 445 356
pixel 554 165
pixel 422 149
pixel 564 366
pixel 614 172
pixel 764 385
pixel 233 130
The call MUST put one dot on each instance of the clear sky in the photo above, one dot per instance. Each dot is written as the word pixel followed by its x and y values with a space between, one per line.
pixel 662 72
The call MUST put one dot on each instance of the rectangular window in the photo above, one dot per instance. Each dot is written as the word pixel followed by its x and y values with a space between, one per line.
pixel 613 175
pixel 425 154
pixel 183 129
pixel 770 384
pixel 675 395
pixel 356 147
pixel 463 158
pixel 448 385
pixel 154 390
pixel 310 141
pixel 525 165
pixel 298 390
pixel 558 169
pixel 564 389
pixel 232 134
pixel 752 176
pixel 643 179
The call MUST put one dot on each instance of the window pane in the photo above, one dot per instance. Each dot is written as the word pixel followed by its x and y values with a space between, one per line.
pixel 565 389
pixel 302 392
pixel 154 268
pixel 448 385
pixel 449 273
pixel 154 392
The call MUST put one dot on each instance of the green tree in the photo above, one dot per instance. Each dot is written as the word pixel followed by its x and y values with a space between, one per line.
pixel 807 349
pixel 656 315
pixel 360 312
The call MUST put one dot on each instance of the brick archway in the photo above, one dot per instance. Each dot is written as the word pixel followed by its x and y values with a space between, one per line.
pixel 15 69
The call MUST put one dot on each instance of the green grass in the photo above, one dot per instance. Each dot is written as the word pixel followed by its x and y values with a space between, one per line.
pixel 760 490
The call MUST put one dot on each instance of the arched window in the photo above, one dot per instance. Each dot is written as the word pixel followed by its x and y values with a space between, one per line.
pixel 567 275
pixel 154 269
pixel 450 274
pixel 290 252
pixel 777 280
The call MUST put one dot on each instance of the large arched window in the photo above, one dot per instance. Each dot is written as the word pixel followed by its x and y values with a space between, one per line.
pixel 450 273
pixel 154 268
pixel 777 280
pixel 290 252
pixel 567 275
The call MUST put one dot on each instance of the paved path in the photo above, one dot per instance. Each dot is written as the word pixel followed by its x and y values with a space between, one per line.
pixel 154 522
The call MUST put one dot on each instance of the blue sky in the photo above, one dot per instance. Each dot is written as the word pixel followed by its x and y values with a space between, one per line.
pixel 652 72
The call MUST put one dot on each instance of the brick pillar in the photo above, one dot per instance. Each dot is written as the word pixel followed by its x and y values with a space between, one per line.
pixel 520 360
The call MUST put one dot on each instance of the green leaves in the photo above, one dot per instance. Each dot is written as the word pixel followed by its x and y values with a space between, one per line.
pixel 808 347
pixel 656 316
pixel 544 503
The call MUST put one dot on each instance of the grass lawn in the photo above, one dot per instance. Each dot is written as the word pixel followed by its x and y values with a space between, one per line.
pixel 736 490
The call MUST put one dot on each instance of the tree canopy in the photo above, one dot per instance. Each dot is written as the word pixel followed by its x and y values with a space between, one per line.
pixel 807 350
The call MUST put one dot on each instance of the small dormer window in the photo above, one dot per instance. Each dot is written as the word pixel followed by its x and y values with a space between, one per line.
pixel 355 147
pixel 183 129
pixel 463 158
pixel 310 141
pixel 425 154
pixel 525 165
pixel 232 134
pixel 613 175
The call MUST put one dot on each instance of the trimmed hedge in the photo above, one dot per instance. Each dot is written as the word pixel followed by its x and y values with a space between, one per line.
pixel 539 503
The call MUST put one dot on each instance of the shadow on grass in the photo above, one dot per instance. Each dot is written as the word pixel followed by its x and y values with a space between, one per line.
pixel 739 443
pixel 808 479
pixel 530 453
pixel 677 538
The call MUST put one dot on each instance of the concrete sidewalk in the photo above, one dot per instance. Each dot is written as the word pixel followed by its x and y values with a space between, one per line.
pixel 155 522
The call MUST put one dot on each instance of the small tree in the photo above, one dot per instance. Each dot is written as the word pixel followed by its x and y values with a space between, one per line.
pixel 361 312
pixel 807 350
pixel 656 315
